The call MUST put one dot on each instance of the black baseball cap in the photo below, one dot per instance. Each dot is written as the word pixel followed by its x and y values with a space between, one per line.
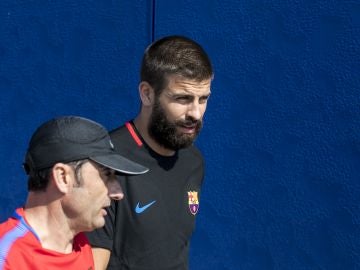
pixel 71 138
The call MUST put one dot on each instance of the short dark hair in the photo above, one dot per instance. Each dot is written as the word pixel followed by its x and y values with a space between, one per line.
pixel 174 55
pixel 39 180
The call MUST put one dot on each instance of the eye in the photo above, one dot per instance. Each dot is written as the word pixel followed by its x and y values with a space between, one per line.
pixel 107 174
pixel 203 100
pixel 183 99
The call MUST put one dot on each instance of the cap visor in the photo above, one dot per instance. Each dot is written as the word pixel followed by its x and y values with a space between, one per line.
pixel 119 163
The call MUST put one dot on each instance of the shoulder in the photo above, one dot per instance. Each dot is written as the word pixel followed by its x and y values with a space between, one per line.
pixel 122 137
pixel 191 162
pixel 192 154
pixel 11 225
pixel 119 132
pixel 16 242
pixel 128 143
pixel 7 226
pixel 195 152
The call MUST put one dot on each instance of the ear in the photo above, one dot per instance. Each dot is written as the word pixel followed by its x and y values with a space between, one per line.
pixel 146 93
pixel 62 176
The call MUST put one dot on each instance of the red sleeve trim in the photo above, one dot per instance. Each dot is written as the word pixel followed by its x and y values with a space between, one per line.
pixel 133 133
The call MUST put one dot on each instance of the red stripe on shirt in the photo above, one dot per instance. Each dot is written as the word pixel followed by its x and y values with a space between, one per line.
pixel 133 133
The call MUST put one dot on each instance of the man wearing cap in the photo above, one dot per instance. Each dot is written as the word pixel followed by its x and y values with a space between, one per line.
pixel 71 166
pixel 151 228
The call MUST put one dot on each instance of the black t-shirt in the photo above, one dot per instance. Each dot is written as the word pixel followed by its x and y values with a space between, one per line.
pixel 151 227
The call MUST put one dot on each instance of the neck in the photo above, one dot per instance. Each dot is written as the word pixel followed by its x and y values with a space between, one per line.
pixel 141 123
pixel 49 222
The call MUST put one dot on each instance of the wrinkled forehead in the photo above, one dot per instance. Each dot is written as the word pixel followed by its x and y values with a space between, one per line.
pixel 180 85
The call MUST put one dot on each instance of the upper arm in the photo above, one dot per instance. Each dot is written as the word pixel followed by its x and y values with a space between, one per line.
pixel 101 258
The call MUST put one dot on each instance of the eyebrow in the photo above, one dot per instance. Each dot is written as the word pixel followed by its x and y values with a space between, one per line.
pixel 185 94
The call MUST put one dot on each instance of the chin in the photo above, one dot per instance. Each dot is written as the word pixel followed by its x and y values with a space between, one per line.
pixel 99 223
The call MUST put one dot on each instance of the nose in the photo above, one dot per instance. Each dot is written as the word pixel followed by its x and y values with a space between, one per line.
pixel 194 110
pixel 115 191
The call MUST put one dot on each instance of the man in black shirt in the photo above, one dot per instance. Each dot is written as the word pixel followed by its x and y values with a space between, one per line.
pixel 151 228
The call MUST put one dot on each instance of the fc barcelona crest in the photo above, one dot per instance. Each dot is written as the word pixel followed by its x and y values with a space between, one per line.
pixel 193 202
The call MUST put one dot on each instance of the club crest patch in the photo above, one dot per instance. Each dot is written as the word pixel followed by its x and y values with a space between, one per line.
pixel 193 202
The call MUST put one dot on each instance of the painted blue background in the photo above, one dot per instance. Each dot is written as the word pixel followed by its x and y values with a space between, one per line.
pixel 282 132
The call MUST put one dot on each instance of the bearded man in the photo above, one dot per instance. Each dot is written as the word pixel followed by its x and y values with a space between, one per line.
pixel 151 228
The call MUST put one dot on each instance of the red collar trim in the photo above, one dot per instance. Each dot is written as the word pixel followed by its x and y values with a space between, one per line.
pixel 133 134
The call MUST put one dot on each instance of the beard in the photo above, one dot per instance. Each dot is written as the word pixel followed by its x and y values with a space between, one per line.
pixel 166 134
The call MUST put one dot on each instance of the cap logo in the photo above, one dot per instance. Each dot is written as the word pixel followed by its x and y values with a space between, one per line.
pixel 193 202
pixel 111 144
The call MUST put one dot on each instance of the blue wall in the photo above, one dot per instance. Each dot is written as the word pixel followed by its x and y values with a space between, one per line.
pixel 282 134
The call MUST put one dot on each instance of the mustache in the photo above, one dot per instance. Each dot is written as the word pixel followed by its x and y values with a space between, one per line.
pixel 188 122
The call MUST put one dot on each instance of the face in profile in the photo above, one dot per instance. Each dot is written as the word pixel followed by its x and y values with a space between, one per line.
pixel 177 114
pixel 87 203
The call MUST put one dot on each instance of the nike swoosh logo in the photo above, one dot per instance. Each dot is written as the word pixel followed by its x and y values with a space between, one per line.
pixel 139 209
